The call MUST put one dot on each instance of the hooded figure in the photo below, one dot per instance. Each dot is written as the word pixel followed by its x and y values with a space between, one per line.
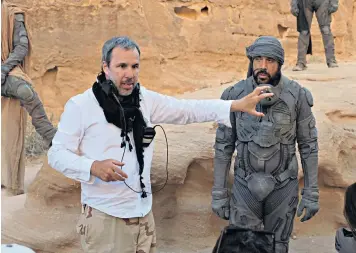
pixel 17 92
pixel 303 10
pixel 264 195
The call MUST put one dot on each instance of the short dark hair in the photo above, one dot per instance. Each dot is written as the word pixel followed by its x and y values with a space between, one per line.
pixel 350 206
pixel 237 240
pixel 121 42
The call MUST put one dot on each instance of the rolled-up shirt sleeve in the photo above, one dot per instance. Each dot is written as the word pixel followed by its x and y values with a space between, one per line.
pixel 170 110
pixel 63 155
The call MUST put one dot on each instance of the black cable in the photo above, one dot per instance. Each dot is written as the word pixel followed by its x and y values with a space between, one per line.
pixel 165 183
pixel 123 154
pixel 165 136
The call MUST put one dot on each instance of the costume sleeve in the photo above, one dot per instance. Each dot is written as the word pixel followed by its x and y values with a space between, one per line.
pixel 224 147
pixel 334 4
pixel 294 7
pixel 307 137
pixel 20 50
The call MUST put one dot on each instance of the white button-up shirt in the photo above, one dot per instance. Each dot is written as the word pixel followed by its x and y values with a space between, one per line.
pixel 84 135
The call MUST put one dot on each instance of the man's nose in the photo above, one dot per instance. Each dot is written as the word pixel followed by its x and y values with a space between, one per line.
pixel 264 64
pixel 129 73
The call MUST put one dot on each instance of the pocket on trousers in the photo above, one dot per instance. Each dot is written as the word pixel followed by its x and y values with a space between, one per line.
pixel 82 227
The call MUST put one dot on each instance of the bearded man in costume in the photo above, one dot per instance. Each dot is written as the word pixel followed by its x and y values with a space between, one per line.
pixel 17 93
pixel 264 195
pixel 304 10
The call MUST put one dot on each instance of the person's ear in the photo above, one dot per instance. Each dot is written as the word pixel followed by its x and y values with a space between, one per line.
pixel 105 68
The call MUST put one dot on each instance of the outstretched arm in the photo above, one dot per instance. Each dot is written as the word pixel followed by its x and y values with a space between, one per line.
pixel 170 110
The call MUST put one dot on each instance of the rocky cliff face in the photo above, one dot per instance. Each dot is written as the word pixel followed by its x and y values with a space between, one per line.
pixel 186 45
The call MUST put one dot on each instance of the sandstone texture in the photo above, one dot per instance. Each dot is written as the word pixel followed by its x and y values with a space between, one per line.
pixel 186 44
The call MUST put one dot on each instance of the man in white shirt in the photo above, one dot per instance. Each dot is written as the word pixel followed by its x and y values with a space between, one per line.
pixel 102 142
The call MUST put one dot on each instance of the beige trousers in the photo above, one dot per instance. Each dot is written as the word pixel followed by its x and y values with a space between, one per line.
pixel 102 233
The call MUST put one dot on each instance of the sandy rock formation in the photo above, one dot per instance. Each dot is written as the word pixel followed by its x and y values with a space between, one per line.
pixel 44 218
pixel 186 45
